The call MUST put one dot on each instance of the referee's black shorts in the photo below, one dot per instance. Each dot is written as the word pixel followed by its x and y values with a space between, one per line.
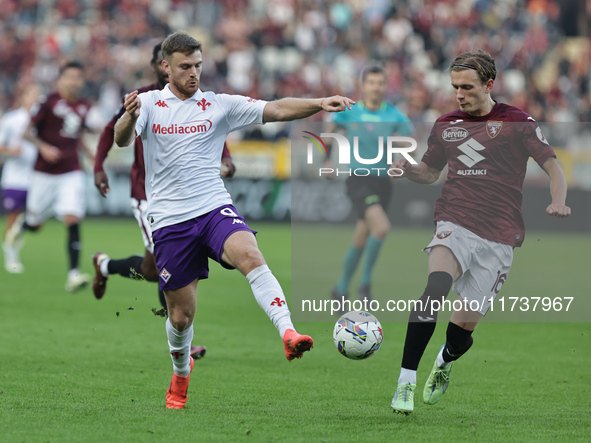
pixel 369 190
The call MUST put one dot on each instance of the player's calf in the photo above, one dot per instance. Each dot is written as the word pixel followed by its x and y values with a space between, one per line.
pixel 459 341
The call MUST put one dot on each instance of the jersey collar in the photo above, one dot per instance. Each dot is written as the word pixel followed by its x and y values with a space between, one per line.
pixel 167 93
pixel 381 108
pixel 482 117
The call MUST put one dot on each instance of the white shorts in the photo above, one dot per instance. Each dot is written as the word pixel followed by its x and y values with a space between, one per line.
pixel 55 195
pixel 139 212
pixel 485 264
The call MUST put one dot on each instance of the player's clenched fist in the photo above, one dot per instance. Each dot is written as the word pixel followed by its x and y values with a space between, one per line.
pixel 132 104
pixel 558 210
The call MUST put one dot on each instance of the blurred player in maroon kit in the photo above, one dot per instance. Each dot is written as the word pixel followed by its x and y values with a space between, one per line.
pixel 57 182
pixel 486 145
pixel 136 266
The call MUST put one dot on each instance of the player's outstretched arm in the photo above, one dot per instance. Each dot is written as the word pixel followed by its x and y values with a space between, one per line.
pixel 288 109
pixel 421 173
pixel 558 186
pixel 125 126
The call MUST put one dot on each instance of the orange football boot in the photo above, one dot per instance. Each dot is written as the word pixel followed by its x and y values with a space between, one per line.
pixel 295 344
pixel 176 396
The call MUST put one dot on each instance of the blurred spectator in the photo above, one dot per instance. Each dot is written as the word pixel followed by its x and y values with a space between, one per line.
pixel 308 48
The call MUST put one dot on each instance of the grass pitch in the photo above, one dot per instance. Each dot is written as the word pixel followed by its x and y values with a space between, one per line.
pixel 76 369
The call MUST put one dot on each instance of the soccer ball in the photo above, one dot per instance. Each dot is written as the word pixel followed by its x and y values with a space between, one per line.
pixel 357 335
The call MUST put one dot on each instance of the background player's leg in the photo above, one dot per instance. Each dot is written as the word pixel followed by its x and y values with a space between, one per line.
pixel 12 261
pixel 75 280
pixel 70 208
pixel 73 243
pixel 378 225
pixel 352 258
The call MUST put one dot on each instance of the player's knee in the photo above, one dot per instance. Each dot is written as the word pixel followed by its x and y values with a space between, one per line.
pixel 381 232
pixel 359 244
pixel 250 259
pixel 180 318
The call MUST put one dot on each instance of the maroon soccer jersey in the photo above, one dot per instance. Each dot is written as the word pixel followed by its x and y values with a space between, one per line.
pixel 138 170
pixel 487 158
pixel 60 123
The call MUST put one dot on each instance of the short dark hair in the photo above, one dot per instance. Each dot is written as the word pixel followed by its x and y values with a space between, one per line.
pixel 155 53
pixel 73 64
pixel 373 68
pixel 179 42
pixel 478 60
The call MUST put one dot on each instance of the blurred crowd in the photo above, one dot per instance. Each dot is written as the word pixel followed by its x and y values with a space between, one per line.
pixel 306 48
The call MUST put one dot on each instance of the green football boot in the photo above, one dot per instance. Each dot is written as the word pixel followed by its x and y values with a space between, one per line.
pixel 403 401
pixel 436 384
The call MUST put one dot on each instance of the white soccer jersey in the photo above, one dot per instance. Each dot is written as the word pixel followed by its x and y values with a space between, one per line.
pixel 16 173
pixel 183 142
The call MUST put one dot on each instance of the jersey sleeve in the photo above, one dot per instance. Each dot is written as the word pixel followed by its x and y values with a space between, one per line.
pixel 226 152
pixel 242 111
pixel 435 156
pixel 534 141
pixel 145 113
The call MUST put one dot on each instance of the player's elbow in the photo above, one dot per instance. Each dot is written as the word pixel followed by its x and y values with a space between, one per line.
pixel 274 113
pixel 121 140
pixel 121 143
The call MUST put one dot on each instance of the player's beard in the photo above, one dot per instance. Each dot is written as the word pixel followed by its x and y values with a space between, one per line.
pixel 185 88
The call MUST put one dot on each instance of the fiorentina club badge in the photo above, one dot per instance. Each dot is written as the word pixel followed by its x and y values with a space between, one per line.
pixel 493 128
pixel 165 275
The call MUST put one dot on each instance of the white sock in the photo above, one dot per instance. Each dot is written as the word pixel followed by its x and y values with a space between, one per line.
pixel 10 253
pixel 105 267
pixel 407 376
pixel 73 272
pixel 179 343
pixel 440 361
pixel 269 295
